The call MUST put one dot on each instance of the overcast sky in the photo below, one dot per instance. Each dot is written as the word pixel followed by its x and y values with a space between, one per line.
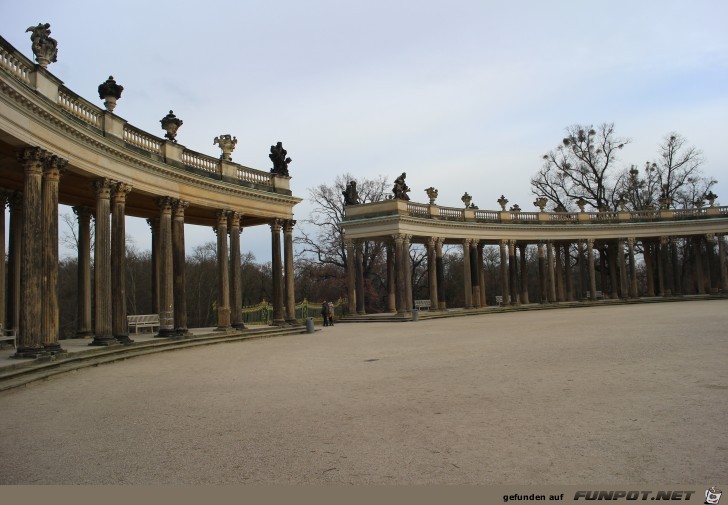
pixel 461 95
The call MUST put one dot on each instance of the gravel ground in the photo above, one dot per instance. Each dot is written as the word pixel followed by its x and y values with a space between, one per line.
pixel 629 393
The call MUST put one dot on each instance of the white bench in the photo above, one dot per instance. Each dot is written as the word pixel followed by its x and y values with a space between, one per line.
pixel 142 321
pixel 598 295
pixel 7 335
pixel 499 300
pixel 423 304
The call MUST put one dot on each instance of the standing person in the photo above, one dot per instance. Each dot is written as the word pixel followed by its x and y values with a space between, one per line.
pixel 331 314
pixel 325 313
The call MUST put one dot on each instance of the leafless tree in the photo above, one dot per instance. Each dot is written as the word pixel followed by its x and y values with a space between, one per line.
pixel 582 166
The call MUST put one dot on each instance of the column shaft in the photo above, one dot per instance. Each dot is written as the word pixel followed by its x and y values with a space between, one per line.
pixel 481 276
pixel 467 279
pixel 592 270
pixel 698 253
pixel 359 268
pixel 513 271
pixel 236 287
pixel 3 299
pixel 475 273
pixel 524 272
pixel 119 324
pixel 408 271
pixel 551 273
pixel 632 269
pixel 722 264
pixel 103 334
pixel 432 272
pixel 351 275
pixel 559 271
pixel 289 273
pixel 49 324
pixel 223 271
pixel 649 267
pixel 401 293
pixel 391 278
pixel 542 274
pixel 84 323
pixel 178 269
pixel 277 264
pixel 15 248
pixel 505 273
pixel 166 269
pixel 154 227
pixel 440 274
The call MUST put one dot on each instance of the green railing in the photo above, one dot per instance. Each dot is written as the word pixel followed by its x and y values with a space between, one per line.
pixel 262 312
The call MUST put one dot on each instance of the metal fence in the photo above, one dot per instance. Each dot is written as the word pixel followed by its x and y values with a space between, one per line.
pixel 262 313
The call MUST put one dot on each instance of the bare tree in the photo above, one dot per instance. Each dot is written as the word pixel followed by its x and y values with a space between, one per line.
pixel 326 241
pixel 581 167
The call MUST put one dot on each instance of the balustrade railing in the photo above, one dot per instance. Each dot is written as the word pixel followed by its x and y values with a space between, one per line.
pixel 689 213
pixel 79 108
pixel 20 68
pixel 418 209
pixel 525 217
pixel 247 174
pixel 142 140
pixel 644 215
pixel 487 216
pixel 452 214
pixel 561 217
pixel 200 161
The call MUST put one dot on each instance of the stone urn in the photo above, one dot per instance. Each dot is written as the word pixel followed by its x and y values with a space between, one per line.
pixel 171 123
pixel 431 194
pixel 541 202
pixel 515 208
pixel 110 92
pixel 581 203
pixel 466 198
pixel 711 197
pixel 503 201
pixel 227 145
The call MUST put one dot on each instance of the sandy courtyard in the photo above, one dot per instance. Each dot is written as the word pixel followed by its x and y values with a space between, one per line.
pixel 629 393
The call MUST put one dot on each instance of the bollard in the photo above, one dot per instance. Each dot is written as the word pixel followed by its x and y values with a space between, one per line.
pixel 415 315
pixel 309 325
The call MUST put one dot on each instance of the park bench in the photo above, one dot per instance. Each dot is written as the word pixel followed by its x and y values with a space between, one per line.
pixel 598 295
pixel 7 335
pixel 142 321
pixel 499 300
pixel 423 304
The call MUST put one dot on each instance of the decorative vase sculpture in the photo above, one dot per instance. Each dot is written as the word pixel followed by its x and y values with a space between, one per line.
pixel 431 194
pixel 711 197
pixel 466 198
pixel 171 123
pixel 110 92
pixel 515 208
pixel 541 202
pixel 227 145
pixel 502 201
pixel 45 47
pixel 581 203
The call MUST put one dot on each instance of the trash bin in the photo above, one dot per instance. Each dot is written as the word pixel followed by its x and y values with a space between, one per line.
pixel 415 314
pixel 309 325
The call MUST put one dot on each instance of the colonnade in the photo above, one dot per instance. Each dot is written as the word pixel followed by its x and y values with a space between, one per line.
pixel 29 295
pixel 557 280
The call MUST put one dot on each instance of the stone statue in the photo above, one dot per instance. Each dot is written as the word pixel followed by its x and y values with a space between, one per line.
pixel 45 48
pixel 278 157
pixel 351 195
pixel 400 189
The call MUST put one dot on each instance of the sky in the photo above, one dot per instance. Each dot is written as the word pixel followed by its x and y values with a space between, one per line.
pixel 462 95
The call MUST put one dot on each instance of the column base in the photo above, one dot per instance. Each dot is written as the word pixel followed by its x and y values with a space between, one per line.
pixel 54 348
pixel 104 341
pixel 84 334
pixel 183 333
pixel 123 339
pixel 223 328
pixel 239 326
pixel 278 322
pixel 166 333
pixel 29 353
pixel 292 322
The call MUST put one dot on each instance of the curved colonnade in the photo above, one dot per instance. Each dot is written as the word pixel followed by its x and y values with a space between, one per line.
pixel 58 148
pixel 616 235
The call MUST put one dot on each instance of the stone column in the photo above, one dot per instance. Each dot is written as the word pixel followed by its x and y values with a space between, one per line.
pixel 504 271
pixel 567 273
pixel 432 272
pixel 524 272
pixel 475 273
pixel 513 271
pixel 401 293
pixel 613 269
pixel 408 271
pixel 542 274
pixel 119 324
pixel 277 264
pixel 289 274
pixel 154 227
pixel 179 263
pixel 722 263
pixel 559 272
pixel 467 279
pixel 582 286
pixel 698 251
pixel 623 284
pixel 85 325
pixel 391 278
pixel 236 286
pixel 103 334
pixel 710 263
pixel 674 272
pixel 481 276
pixel 3 299
pixel 592 272
pixel 166 269
pixel 223 271
pixel 661 250
pixel 29 338
pixel 632 268
pixel 440 274
pixel 351 276
pixel 649 268
pixel 15 248
pixel 359 269
pixel 551 273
